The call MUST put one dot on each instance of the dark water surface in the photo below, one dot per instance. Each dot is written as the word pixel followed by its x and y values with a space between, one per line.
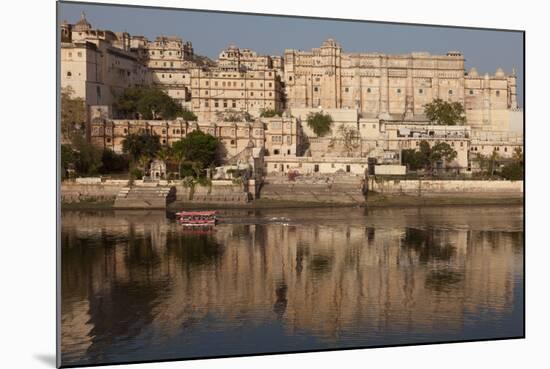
pixel 136 286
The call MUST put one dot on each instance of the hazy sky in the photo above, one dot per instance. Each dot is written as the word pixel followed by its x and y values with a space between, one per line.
pixel 211 32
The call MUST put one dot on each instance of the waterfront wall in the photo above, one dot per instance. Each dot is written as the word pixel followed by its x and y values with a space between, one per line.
pixel 96 190
pixel 438 187
pixel 89 189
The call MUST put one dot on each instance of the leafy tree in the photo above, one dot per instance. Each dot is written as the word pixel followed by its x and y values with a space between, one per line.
pixel 427 156
pixel 68 158
pixel 73 114
pixel 441 151
pixel 414 159
pixel 88 156
pixel 488 163
pixel 320 123
pixel 188 115
pixel 197 147
pixel 149 102
pixel 111 162
pixel 445 113
pixel 269 113
pixel 141 144
pixel 514 171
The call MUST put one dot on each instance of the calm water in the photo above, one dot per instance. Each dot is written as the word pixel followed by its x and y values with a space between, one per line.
pixel 136 286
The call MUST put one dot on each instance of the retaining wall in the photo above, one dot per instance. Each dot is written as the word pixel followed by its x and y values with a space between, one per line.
pixel 437 187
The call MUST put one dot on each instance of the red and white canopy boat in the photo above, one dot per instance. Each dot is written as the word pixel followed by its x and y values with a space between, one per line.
pixel 197 218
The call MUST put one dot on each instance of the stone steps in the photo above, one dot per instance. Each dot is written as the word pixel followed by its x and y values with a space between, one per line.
pixel 145 197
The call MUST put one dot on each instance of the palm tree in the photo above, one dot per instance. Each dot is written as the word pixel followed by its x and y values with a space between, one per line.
pixel 143 163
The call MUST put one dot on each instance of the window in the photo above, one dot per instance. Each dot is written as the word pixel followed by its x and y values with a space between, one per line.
pixel 69 74
pixel 108 140
pixel 398 90
pixel 290 78
pixel 316 168
pixel 315 89
pixel 225 103
pixel 368 90
pixel 420 91
pixel 234 104
pixel 163 141
pixel 216 104
pixel 348 168
pixel 206 92
pixel 206 103
pixel 270 84
pixel 206 83
pixel 215 83
pixel 125 130
pixel 498 93
pixel 79 54
pixel 471 92
pixel 450 92
pixel 70 55
pixel 276 152
pixel 252 93
pixel 232 142
pixel 346 89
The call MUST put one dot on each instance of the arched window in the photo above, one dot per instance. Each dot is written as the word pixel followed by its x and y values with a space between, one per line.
pixel 69 74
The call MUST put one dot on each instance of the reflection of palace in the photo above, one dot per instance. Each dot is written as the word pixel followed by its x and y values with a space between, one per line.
pixel 126 272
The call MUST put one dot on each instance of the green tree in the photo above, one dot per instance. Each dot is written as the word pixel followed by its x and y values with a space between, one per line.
pixel 425 157
pixel 320 123
pixel 68 158
pixel 149 102
pixel 488 163
pixel 445 113
pixel 188 115
pixel 197 147
pixel 141 144
pixel 513 171
pixel 111 162
pixel 269 113
pixel 414 159
pixel 88 157
pixel 73 114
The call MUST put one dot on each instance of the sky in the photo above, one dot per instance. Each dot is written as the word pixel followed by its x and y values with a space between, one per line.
pixel 486 50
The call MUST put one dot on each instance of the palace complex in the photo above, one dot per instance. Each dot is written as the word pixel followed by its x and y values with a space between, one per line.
pixel 379 96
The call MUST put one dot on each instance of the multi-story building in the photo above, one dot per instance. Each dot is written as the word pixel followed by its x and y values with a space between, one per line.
pixel 383 85
pixel 278 136
pixel 215 91
pixel 98 64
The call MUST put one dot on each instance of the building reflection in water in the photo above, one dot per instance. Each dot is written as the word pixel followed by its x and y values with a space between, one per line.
pixel 131 280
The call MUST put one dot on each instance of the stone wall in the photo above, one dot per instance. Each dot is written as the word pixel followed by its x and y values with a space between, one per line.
pixel 91 190
pixel 438 187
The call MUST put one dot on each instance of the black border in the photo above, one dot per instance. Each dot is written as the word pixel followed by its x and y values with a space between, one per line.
pixel 58 185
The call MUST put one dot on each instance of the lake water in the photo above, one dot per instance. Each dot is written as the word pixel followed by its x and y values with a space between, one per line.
pixel 135 286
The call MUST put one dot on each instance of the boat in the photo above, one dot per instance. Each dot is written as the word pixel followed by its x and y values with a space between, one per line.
pixel 197 218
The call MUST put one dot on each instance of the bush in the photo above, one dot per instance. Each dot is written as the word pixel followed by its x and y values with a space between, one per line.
pixel 269 113
pixel 136 173
pixel 320 123
pixel 512 172
pixel 113 162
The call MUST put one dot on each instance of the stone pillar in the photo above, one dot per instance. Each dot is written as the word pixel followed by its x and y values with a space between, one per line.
pixel 486 100
pixel 409 97
pixel 384 88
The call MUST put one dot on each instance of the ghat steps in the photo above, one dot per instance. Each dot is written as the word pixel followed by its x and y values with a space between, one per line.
pixel 149 196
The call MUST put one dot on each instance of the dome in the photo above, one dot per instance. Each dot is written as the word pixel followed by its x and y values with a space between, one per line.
pixel 82 24
pixel 258 124
pixel 499 73
pixel 473 72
